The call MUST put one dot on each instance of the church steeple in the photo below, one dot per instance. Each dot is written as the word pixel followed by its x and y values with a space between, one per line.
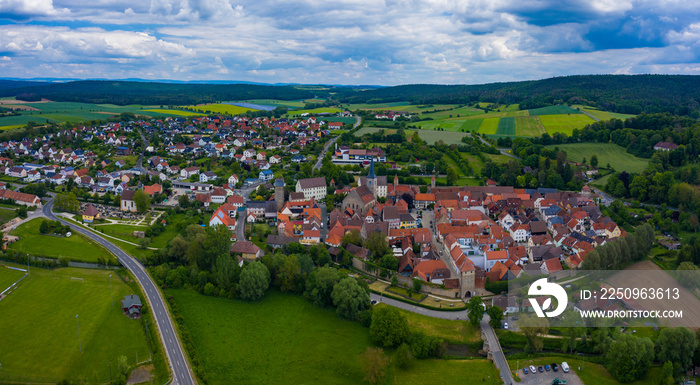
pixel 371 169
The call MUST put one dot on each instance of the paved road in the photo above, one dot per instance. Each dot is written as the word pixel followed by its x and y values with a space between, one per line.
pixel 139 162
pixel 451 315
pixel 173 349
pixel 317 166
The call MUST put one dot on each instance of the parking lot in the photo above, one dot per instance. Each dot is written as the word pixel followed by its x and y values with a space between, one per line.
pixel 547 377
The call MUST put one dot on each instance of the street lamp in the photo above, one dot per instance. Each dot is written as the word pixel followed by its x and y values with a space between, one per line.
pixel 80 346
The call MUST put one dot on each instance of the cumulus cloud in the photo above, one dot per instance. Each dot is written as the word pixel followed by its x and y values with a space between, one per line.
pixel 349 41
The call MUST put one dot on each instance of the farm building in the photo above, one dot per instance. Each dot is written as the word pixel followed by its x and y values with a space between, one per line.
pixel 131 306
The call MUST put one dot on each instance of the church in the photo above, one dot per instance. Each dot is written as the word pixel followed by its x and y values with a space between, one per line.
pixel 364 197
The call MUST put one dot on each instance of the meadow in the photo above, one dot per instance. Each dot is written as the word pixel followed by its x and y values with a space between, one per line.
pixel 605 115
pixel 9 276
pixel 506 126
pixel 76 247
pixel 564 123
pixel 432 137
pixel 284 339
pixel 174 112
pixel 489 126
pixel 611 153
pixel 320 110
pixel 553 110
pixel 528 126
pixel 274 102
pixel 40 329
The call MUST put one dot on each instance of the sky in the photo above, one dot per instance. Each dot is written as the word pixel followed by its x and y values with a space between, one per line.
pixel 353 42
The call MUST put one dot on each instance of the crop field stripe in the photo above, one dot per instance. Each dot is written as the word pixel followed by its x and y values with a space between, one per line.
pixel 506 126
pixel 489 126
pixel 553 110
pixel 470 125
pixel 528 126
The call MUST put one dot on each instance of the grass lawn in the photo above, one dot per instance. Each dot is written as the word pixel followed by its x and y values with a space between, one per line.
pixel 489 126
pixel 449 330
pixel 6 215
pixel 604 115
pixel 76 247
pixel 40 330
pixel 506 126
pixel 565 123
pixel 611 153
pixel 286 340
pixel 470 125
pixel 405 293
pixel 528 126
pixel 9 276
pixel 275 102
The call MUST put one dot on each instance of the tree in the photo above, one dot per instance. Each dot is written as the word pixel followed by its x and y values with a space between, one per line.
pixel 289 274
pixel 319 285
pixel 142 201
pixel 352 237
pixel 629 358
pixel 349 298
pixel 217 242
pixel 452 176
pixel 534 327
pixel 594 161
pixel 254 281
pixel 688 275
pixel 377 244
pixel 389 262
pixel 417 285
pixel 676 345
pixel 667 373
pixel 496 315
pixel 374 364
pixel 389 327
pixel 572 334
pixel 67 202
pixel 476 310
pixel 177 247
pixel 404 357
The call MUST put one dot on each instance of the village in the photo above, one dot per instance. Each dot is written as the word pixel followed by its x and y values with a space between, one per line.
pixel 455 239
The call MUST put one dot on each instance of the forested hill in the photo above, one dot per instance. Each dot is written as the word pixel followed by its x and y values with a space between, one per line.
pixel 631 94
pixel 126 92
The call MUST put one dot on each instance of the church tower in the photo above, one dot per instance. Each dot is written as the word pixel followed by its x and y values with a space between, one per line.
pixel 432 182
pixel 279 193
pixel 372 178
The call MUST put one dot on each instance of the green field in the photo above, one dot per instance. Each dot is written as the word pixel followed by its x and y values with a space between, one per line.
pixel 432 137
pixel 174 112
pixel 342 119
pixel 40 329
pixel 274 102
pixel 605 115
pixel 564 123
pixel 470 125
pixel 606 153
pixel 369 130
pixel 553 110
pixel 528 126
pixel 21 120
pixel 229 109
pixel 489 126
pixel 506 126
pixel 321 110
pixel 283 339
pixel 9 276
pixel 453 331
pixel 76 247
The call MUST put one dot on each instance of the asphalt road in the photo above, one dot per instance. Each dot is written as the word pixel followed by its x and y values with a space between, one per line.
pixel 317 166
pixel 173 349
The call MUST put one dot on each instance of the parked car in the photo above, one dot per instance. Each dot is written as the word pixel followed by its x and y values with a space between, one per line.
pixel 505 325
pixel 565 367
pixel 525 370
pixel 539 368
pixel 555 367
pixel 546 368
pixel 374 302
pixel 532 369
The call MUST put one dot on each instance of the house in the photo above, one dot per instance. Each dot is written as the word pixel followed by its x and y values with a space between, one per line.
pixel 20 197
pixel 266 175
pixel 90 213
pixel 207 177
pixel 233 180
pixel 665 146
pixel 248 250
pixel 186 173
pixel 218 196
pixel 131 306
pixel 17 172
pixel 154 189
pixel 127 201
pixel 225 215
pixel 312 188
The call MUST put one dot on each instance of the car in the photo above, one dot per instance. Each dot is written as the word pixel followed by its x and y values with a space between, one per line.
pixel 525 370
pixel 565 367
pixel 555 367
pixel 546 368
pixel 374 302
pixel 505 325
pixel 539 368
pixel 532 369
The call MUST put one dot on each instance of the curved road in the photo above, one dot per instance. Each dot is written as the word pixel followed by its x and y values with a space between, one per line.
pixel 173 349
